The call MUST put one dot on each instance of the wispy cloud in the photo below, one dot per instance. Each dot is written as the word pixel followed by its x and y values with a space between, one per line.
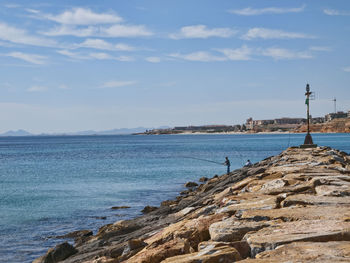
pixel 201 56
pixel 201 31
pixel 268 10
pixel 104 45
pixel 83 16
pixel 333 12
pixel 93 55
pixel 125 31
pixel 346 69
pixel 117 84
pixel 266 33
pixel 242 53
pixel 100 31
pixel 31 58
pixel 19 36
pixel 153 59
pixel 320 48
pixel 282 53
pixel 37 89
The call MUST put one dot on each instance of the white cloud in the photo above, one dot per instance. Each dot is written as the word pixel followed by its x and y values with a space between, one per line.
pixel 125 31
pixel 63 87
pixel 346 69
pixel 104 45
pixel 153 59
pixel 93 55
pixel 320 48
pixel 281 53
pixel 65 30
pixel 268 10
pixel 201 31
pixel 31 58
pixel 100 56
pixel 73 55
pixel 33 11
pixel 243 53
pixel 201 56
pixel 84 16
pixel 37 89
pixel 100 31
pixel 20 36
pixel 117 84
pixel 333 12
pixel 266 33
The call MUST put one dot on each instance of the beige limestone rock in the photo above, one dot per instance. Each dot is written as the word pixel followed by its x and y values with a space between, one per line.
pixel 210 254
pixel 232 229
pixel 333 190
pixel 300 213
pixel 247 201
pixel 311 252
pixel 306 230
pixel 304 199
pixel 157 254
pixel 241 246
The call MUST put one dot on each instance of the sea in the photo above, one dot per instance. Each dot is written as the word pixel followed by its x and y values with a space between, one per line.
pixel 50 186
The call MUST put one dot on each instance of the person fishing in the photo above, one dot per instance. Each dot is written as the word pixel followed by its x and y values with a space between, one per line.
pixel 248 164
pixel 228 164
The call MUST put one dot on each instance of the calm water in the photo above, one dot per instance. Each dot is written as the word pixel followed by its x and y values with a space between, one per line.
pixel 50 186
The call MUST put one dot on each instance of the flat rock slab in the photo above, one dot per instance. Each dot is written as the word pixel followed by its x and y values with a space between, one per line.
pixel 307 230
pixel 301 213
pixel 305 199
pixel 334 251
pixel 211 254
pixel 252 202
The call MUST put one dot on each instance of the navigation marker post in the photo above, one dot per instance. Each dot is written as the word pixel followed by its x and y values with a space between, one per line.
pixel 308 143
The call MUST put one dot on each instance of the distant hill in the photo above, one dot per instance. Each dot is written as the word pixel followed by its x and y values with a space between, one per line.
pixel 88 132
pixel 16 133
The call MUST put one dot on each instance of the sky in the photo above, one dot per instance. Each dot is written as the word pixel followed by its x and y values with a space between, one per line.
pixel 74 65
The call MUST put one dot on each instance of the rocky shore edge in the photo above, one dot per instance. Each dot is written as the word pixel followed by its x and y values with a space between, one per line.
pixel 291 207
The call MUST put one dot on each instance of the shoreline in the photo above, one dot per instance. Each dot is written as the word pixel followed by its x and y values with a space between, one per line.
pixel 204 217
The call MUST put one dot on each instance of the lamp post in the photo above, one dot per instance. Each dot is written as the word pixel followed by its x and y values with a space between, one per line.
pixel 308 143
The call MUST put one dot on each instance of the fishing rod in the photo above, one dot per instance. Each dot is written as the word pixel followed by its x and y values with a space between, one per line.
pixel 205 160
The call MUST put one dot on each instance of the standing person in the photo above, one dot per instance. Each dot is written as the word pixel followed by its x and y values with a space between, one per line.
pixel 228 164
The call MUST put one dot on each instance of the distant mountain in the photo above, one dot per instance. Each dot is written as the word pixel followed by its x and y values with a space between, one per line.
pixel 16 133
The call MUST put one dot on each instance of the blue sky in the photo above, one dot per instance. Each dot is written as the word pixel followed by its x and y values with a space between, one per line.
pixel 79 65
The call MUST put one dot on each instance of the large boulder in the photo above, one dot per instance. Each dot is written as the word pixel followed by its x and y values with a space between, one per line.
pixel 58 253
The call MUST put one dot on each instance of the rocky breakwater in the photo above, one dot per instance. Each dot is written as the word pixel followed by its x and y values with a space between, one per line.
pixel 293 207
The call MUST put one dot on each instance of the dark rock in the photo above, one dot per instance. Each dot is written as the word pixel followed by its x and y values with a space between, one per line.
pixel 58 253
pixel 101 217
pixel 120 207
pixel 168 202
pixel 191 184
pixel 76 234
pixel 203 179
pixel 147 209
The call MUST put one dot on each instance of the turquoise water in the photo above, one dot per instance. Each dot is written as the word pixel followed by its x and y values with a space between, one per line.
pixel 50 186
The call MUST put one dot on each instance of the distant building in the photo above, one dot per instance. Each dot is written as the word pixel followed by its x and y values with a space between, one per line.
pixel 337 115
pixel 250 123
pixel 289 121
pixel 349 114
pixel 317 120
